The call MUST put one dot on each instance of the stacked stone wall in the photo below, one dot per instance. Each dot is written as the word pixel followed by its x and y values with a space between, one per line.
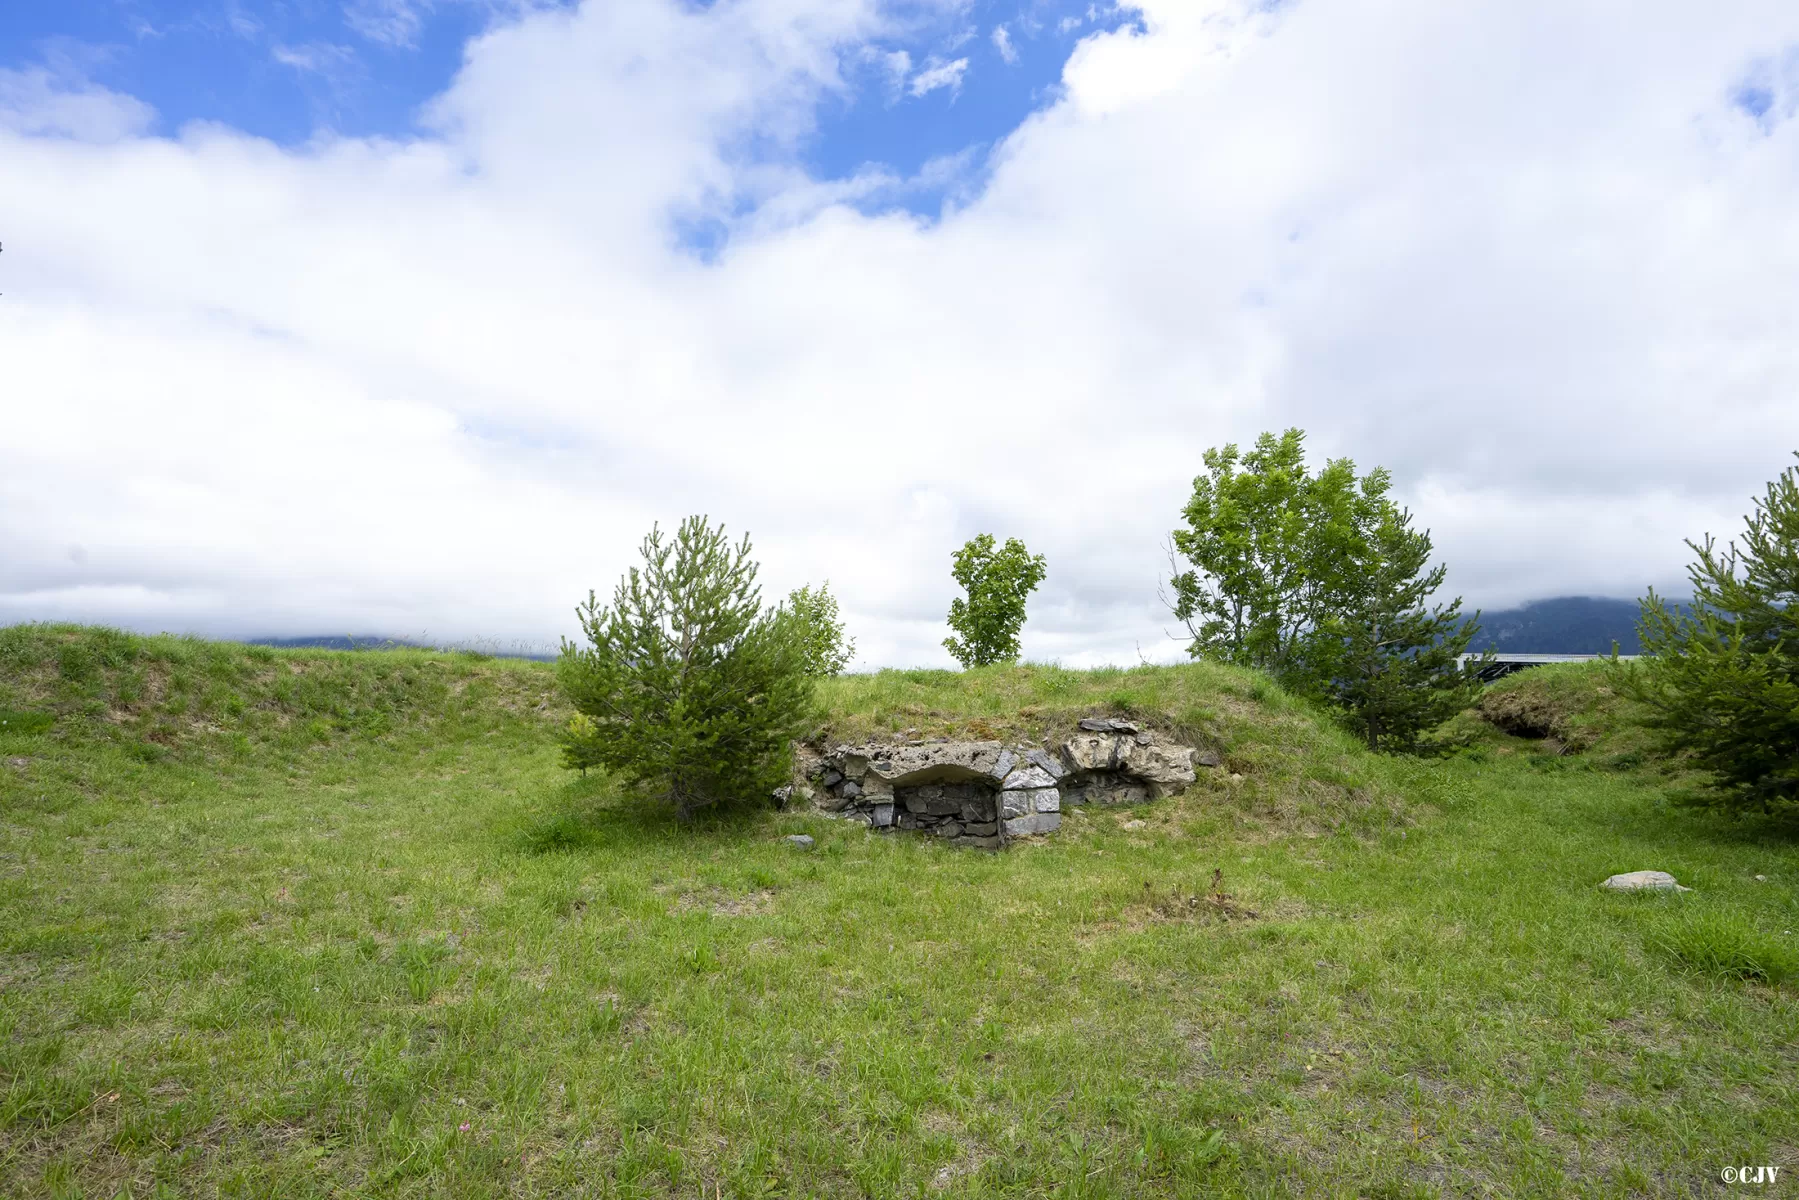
pixel 984 793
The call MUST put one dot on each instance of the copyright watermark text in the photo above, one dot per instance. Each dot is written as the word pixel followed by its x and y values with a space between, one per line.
pixel 1750 1174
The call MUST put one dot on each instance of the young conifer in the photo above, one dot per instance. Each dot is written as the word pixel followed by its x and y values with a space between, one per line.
pixel 1721 676
pixel 691 689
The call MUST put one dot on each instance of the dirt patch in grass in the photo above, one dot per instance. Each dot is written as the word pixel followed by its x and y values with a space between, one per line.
pixel 1174 904
pixel 721 903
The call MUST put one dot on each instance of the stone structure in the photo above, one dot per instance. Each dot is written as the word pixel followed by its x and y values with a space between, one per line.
pixel 981 793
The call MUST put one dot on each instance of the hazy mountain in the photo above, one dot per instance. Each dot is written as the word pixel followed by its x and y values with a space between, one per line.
pixel 1565 625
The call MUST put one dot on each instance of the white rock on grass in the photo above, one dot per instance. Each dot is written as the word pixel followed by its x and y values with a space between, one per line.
pixel 1643 881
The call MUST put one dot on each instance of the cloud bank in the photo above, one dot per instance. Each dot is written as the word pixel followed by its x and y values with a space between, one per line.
pixel 1536 258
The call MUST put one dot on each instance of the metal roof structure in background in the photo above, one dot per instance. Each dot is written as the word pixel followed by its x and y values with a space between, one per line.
pixel 1502 665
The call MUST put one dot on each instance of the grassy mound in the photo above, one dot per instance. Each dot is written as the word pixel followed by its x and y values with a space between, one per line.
pixel 1562 708
pixel 154 695
pixel 347 929
pixel 1282 759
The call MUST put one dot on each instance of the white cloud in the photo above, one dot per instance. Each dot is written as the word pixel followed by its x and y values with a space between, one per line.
pixel 935 75
pixel 322 58
pixel 897 65
pixel 1535 257
pixel 390 22
pixel 41 102
pixel 1002 41
pixel 239 22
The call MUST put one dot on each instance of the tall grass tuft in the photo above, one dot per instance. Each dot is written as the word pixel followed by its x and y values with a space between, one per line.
pixel 1724 944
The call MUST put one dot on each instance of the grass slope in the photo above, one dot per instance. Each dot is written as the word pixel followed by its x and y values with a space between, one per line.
pixel 312 923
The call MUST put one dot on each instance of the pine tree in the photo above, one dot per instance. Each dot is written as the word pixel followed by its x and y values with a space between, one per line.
pixel 690 689
pixel 1721 676
pixel 1392 664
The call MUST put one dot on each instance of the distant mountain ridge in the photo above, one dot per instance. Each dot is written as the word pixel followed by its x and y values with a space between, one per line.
pixel 1564 625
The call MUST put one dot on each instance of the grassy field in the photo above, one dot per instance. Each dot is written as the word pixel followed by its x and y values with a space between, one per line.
pixel 298 923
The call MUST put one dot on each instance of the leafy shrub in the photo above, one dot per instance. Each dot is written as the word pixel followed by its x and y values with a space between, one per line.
pixel 694 692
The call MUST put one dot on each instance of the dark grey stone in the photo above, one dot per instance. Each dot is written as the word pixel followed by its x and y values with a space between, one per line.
pixel 1003 767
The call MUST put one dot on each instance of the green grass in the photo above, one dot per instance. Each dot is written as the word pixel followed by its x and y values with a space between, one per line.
pixel 1563 708
pixel 315 923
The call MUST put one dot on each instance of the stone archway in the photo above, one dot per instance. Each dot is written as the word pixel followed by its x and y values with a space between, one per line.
pixel 982 793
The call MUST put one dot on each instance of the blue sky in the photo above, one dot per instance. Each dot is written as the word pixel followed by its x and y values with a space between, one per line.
pixel 291 70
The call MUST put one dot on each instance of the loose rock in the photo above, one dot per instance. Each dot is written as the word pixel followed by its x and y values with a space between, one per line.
pixel 801 841
pixel 1643 881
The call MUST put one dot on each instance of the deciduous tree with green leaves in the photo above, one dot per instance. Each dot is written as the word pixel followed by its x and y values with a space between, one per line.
pixel 1720 677
pixel 1320 580
pixel 1258 569
pixel 689 688
pixel 998 580
pixel 820 632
